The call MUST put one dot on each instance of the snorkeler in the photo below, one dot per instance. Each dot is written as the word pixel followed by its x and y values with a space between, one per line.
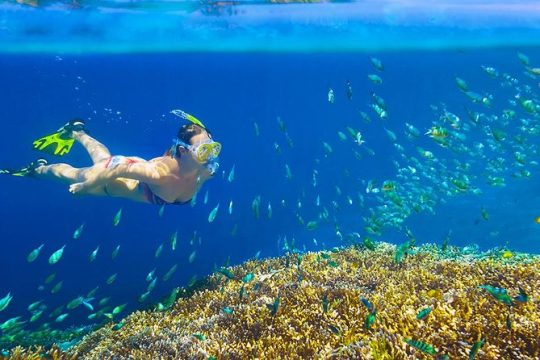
pixel 173 178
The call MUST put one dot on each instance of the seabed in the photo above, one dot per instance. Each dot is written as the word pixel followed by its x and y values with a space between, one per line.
pixel 309 306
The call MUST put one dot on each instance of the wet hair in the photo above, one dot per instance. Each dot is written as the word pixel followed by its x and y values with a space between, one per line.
pixel 186 133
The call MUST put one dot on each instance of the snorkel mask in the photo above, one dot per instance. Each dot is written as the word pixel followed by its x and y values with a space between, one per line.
pixel 205 152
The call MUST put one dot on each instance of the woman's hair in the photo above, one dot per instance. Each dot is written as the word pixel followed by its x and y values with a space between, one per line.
pixel 185 133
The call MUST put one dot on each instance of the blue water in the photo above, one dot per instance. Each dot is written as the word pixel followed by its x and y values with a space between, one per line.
pixel 126 99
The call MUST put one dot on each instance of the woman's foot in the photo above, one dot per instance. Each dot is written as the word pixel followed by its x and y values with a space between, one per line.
pixel 73 125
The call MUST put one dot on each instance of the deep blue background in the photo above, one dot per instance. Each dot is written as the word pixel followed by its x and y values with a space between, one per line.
pixel 228 93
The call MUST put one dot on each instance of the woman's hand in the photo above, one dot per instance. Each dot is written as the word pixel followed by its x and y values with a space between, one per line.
pixel 77 188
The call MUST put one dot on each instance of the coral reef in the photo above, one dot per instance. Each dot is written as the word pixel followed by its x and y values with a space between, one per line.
pixel 342 304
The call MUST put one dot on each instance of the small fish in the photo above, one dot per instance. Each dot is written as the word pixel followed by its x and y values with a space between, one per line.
pixel 368 243
pixel 484 213
pixel 246 279
pixel 75 303
pixel 334 329
pixel 524 59
pixel 422 346
pixel 241 292
pixel 508 322
pixel 230 207
pixel 57 287
pixel 170 273
pixel 255 206
pixel 151 285
pixel 36 315
pixel 349 90
pixel 118 326
pixel 499 294
pixel 475 348
pixel 422 314
pixel 93 255
pixel 199 336
pixel 33 306
pixel 522 297
pixel 192 256
pixel 104 301
pixel 56 256
pixel 4 302
pixel 34 253
pixel 213 213
pixel 78 232
pixel 269 210
pixel 370 320
pixel 288 173
pixel 117 217
pixel 114 253
pixel 256 129
pixel 228 273
pixel 150 275
pixel 367 304
pixel 331 97
pixel 173 240
pixel 312 225
pixel 377 64
pixel 61 318
pixel 227 310
pixel 230 178
pixel 274 307
pixel 118 309
pixel 462 84
pixel 161 210
pixel 374 78
pixel 143 297
pixel 159 250
pixel 111 278
pixel 205 200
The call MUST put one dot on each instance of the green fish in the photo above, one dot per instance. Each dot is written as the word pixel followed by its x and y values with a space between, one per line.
pixel 332 263
pixel 56 256
pixel 78 232
pixel 118 309
pixel 192 256
pixel 475 348
pixel 274 307
pixel 159 250
pixel 117 217
pixel 256 129
pixel 499 294
pixel 34 253
pixel 213 213
pixel 174 238
pixel 50 278
pixel 199 336
pixel 228 310
pixel 143 297
pixel 4 302
pixel 522 297
pixel 114 254
pixel 93 255
pixel 192 281
pixel 171 298
pixel 241 292
pixel 255 206
pixel 334 329
pixel 461 84
pixel 36 315
pixel 118 326
pixel 325 303
pixel 104 301
pixel 485 214
pixel 422 346
pixel 377 64
pixel 246 279
pixel 367 304
pixel 61 317
pixel 228 273
pixel 374 78
pixel 161 211
pixel 170 273
pixel 33 306
pixel 230 178
pixel 423 313
pixel 312 225
pixel 401 252
pixel 368 243
pixel 75 303
pixel 370 320
pixel 57 287
pixel 111 279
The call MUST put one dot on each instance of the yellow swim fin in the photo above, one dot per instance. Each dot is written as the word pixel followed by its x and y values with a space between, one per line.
pixel 54 144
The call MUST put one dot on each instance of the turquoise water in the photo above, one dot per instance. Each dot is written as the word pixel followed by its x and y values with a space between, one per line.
pixel 237 26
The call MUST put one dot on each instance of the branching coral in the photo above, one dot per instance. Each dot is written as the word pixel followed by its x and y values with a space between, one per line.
pixel 311 308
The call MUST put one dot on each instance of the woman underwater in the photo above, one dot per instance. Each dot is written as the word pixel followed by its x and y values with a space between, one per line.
pixel 173 178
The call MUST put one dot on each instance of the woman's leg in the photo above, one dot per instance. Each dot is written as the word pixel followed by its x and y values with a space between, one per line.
pixel 61 172
pixel 97 151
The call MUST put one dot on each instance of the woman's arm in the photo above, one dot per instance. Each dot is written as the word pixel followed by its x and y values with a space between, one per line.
pixel 148 172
